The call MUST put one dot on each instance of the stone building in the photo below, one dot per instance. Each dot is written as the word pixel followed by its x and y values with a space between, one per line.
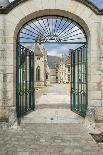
pixel 47 76
pixel 42 73
pixel 68 66
pixel 64 70
pixel 60 69
pixel 53 75
pixel 39 65
pixel 53 62
pixel 46 69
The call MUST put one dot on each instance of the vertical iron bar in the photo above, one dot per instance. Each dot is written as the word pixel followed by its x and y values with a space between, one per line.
pixel 30 80
pixel 25 81
pixel 86 79
pixel 84 82
pixel 78 74
pixel 74 94
pixel 71 105
pixel 17 80
pixel 81 59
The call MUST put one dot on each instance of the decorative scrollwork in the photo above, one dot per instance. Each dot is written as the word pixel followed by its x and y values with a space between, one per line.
pixel 27 91
pixel 82 92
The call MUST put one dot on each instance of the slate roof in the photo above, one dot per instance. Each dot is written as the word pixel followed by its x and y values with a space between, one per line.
pixel 37 49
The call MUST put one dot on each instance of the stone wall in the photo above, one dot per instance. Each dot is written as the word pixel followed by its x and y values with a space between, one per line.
pixel 10 25
pixel 7 89
pixel 53 75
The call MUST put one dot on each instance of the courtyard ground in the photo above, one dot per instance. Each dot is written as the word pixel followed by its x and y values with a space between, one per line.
pixel 52 129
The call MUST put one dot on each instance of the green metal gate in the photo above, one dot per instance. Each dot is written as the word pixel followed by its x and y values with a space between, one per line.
pixel 79 80
pixel 24 81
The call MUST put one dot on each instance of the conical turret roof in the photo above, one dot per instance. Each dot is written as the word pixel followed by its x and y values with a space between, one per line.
pixel 37 49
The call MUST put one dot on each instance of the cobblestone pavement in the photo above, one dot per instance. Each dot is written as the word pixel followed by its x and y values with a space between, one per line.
pixel 52 129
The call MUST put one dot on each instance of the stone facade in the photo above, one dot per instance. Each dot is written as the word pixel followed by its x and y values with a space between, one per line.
pixel 49 75
pixel 11 23
pixel 60 71
pixel 64 70
pixel 53 75
pixel 39 62
pixel 41 73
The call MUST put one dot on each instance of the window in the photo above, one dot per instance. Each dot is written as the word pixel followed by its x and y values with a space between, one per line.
pixel 68 68
pixel 38 73
pixel 46 76
pixel 38 58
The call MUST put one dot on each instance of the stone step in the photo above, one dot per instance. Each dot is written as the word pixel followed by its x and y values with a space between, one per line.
pixel 50 115
pixel 52 106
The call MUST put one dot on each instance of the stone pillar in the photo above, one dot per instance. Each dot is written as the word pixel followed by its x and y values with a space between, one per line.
pixel 99 103
pixel 3 77
pixel 7 105
pixel 95 74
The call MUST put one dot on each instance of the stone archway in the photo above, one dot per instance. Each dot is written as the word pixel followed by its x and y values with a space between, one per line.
pixel 13 21
pixel 59 30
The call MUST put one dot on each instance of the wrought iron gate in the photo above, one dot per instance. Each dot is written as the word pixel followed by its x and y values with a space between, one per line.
pixel 79 80
pixel 24 81
pixel 51 29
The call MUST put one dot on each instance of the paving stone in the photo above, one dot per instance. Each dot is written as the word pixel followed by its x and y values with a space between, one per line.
pixel 38 135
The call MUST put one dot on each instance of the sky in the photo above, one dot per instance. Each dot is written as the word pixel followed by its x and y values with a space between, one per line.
pixel 59 49
pixel 67 29
pixel 98 3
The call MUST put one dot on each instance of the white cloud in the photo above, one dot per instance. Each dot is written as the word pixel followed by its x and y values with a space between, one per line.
pixel 64 47
pixel 61 49
pixel 54 52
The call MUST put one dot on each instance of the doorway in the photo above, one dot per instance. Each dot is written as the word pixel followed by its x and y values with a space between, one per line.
pixel 50 30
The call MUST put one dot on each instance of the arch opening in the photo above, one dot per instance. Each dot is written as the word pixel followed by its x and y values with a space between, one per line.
pixel 63 31
pixel 51 29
